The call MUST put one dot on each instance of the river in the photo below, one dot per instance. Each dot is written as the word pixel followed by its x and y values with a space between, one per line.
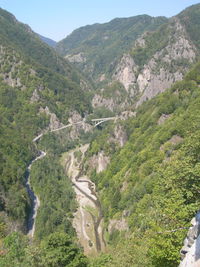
pixel 35 202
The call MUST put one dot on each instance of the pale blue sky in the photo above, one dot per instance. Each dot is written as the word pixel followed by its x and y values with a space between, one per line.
pixel 58 18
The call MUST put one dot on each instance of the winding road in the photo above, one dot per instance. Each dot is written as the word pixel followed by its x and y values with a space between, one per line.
pixel 85 191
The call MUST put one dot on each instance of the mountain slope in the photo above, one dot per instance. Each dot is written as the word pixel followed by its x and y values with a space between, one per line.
pixel 95 47
pixel 150 189
pixel 48 41
pixel 144 59
pixel 28 43
pixel 57 74
pixel 38 92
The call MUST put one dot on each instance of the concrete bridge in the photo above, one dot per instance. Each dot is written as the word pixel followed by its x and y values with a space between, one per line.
pixel 95 121
pixel 101 120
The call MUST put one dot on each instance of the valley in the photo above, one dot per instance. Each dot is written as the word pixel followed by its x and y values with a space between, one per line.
pixel 89 214
pixel 88 220
pixel 100 144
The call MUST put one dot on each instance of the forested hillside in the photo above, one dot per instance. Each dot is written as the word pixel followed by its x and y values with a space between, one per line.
pixel 152 184
pixel 48 41
pixel 56 73
pixel 36 85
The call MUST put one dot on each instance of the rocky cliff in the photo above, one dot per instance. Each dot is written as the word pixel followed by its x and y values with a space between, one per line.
pixel 190 253
pixel 162 69
pixel 144 65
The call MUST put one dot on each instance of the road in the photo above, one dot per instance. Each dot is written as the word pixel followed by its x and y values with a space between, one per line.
pixel 85 192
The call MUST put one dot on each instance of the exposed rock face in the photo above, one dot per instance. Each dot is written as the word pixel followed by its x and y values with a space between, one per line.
pixel 99 101
pixel 8 66
pixel 163 118
pixel 141 40
pixel 78 58
pixel 163 69
pixel 159 73
pixel 174 140
pixel 74 118
pixel 124 186
pixel 78 123
pixel 182 47
pixel 13 82
pixel 54 121
pixel 150 84
pixel 124 115
pixel 99 162
pixel 120 225
pixel 35 96
pixel 115 103
pixel 102 162
pixel 119 136
pixel 102 77
pixel 190 253
pixel 125 71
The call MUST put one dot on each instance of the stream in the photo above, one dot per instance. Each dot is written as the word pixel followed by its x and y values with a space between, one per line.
pixel 89 212
pixel 35 202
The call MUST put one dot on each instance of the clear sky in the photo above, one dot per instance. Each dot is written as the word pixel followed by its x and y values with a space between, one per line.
pixel 58 18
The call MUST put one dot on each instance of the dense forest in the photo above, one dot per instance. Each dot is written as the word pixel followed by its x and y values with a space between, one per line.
pixel 154 177
pixel 34 77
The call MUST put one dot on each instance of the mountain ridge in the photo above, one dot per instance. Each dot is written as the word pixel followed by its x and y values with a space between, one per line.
pixel 48 41
pixel 144 163
pixel 148 65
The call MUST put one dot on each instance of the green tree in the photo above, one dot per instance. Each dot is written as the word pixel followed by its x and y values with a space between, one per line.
pixel 59 250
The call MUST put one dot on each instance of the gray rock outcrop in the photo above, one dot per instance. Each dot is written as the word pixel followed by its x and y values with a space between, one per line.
pixel 78 58
pixel 190 252
pixel 54 122
pixel 163 118
pixel 119 136
pixel 99 162
pixel 120 225
pixel 100 101
pixel 126 72
pixel 165 67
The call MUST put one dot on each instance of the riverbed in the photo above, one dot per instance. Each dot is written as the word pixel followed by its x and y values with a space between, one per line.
pixel 88 219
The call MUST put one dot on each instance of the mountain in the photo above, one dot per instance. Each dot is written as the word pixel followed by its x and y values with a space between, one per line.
pixel 110 151
pixel 56 73
pixel 142 55
pixel 28 43
pixel 48 41
pixel 95 47
pixel 38 93
pixel 146 170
